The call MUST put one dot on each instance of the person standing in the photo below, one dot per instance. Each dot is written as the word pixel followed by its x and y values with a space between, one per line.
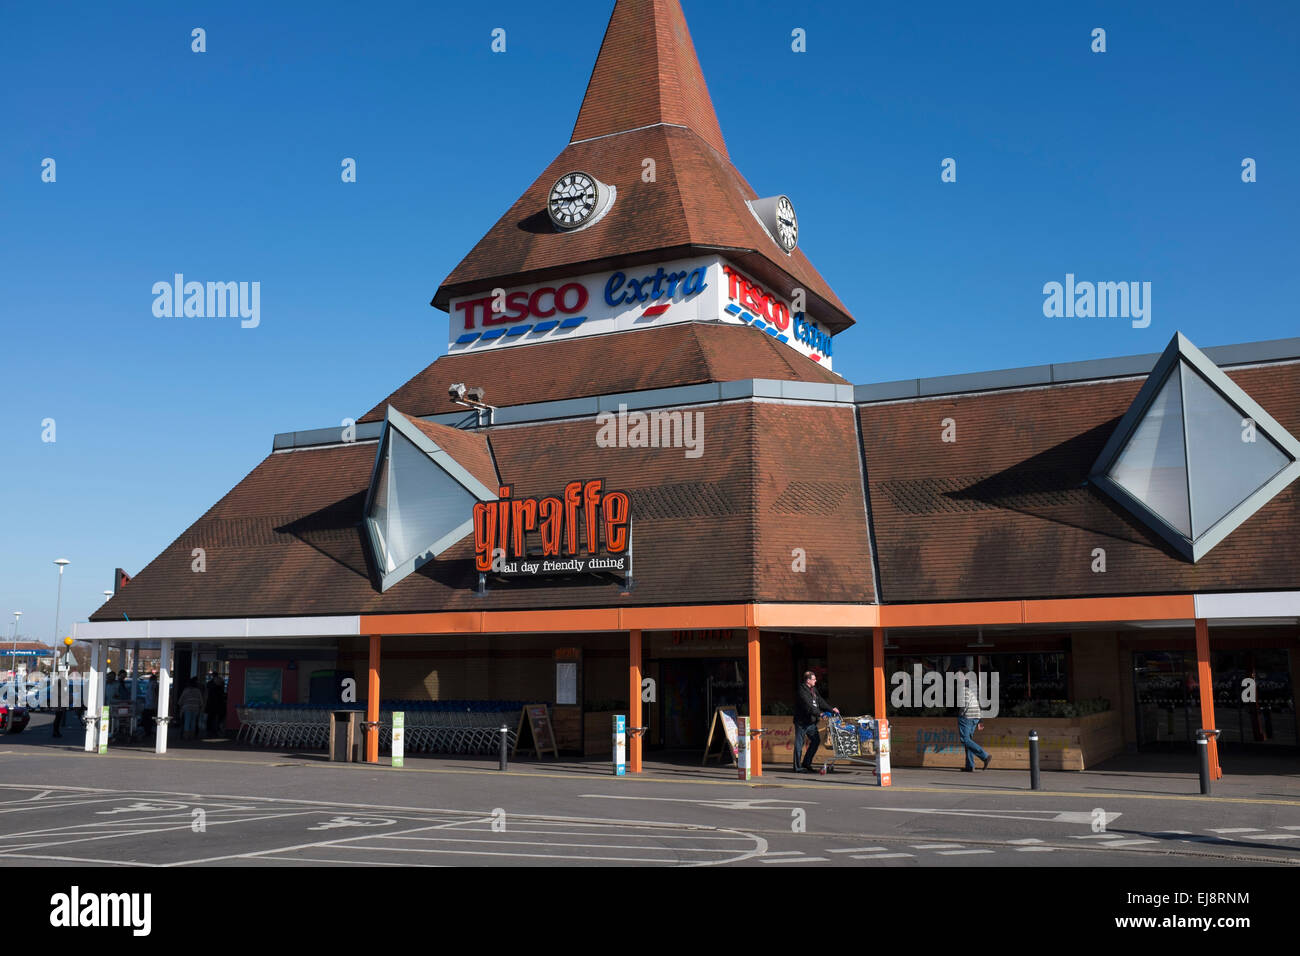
pixel 214 704
pixel 191 706
pixel 968 723
pixel 808 708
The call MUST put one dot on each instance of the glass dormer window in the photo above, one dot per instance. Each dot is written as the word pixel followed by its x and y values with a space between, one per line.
pixel 1195 456
pixel 420 501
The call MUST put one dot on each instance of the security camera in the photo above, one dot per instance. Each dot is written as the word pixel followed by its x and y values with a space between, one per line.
pixel 475 395
pixel 457 391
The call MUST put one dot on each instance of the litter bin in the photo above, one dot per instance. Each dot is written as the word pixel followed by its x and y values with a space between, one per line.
pixel 345 735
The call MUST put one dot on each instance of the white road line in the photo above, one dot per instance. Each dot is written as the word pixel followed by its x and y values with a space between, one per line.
pixel 802 859
pixel 1277 836
pixel 783 852
pixel 72 859
pixel 883 856
pixel 1289 828
pixel 184 825
pixel 1115 843
pixel 1024 841
pixel 1097 836
pixel 962 852
pixel 1236 829
pixel 595 846
pixel 859 849
pixel 646 836
pixel 1035 849
pixel 532 856
pixel 935 846
pixel 295 860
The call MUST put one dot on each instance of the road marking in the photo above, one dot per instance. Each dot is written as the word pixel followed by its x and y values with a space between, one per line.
pixel 858 849
pixel 1236 829
pixel 71 859
pixel 1277 836
pixel 1097 836
pixel 935 846
pixel 1026 840
pixel 1037 816
pixel 594 846
pixel 1115 843
pixel 802 859
pixel 295 860
pixel 962 852
pixel 720 804
pixel 883 856
pixel 783 852
pixel 1035 849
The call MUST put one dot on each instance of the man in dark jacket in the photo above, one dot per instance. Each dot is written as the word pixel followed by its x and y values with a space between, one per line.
pixel 808 707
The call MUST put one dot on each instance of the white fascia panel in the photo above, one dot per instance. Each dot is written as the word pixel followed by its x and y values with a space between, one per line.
pixel 1259 604
pixel 219 628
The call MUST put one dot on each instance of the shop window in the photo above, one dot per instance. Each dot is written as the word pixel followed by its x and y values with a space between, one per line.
pixel 1017 679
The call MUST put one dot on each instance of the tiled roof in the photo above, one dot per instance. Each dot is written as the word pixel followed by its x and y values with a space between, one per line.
pixel 685 354
pixel 716 528
pixel 1005 511
pixel 646 73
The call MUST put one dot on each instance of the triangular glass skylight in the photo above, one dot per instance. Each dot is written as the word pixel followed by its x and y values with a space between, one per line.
pixel 1195 456
pixel 420 501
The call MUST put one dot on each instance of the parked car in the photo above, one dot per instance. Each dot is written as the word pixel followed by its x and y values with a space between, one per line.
pixel 14 717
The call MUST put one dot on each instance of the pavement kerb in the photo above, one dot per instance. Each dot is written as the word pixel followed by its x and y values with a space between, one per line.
pixel 648 778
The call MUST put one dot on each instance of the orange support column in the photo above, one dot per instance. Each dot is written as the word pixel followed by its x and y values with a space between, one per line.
pixel 1206 681
pixel 634 700
pixel 372 703
pixel 755 704
pixel 878 672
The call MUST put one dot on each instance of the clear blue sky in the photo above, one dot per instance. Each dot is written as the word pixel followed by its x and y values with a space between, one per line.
pixel 1123 165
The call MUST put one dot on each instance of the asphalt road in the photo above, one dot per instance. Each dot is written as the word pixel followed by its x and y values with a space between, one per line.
pixel 62 807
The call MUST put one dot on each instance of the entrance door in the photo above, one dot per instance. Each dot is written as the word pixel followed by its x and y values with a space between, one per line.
pixel 690 692
pixel 1254 702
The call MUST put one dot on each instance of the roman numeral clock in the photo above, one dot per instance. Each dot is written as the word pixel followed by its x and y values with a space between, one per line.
pixel 578 200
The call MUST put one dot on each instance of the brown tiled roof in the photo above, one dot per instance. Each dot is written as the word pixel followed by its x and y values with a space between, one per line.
pixel 696 204
pixel 670 355
pixel 1005 511
pixel 469 448
pixel 712 529
pixel 646 73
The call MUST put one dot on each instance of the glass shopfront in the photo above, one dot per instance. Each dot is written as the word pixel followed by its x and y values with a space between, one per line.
pixel 1254 700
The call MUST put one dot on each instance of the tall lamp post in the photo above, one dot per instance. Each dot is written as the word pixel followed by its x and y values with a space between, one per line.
pixel 13 660
pixel 58 604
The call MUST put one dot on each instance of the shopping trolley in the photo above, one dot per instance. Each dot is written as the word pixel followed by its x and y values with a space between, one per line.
pixel 852 739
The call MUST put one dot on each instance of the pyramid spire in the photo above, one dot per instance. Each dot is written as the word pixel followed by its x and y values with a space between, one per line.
pixel 647 73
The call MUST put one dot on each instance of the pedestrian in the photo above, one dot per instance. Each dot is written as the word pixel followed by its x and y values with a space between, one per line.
pixel 968 722
pixel 122 691
pixel 214 704
pixel 808 708
pixel 191 706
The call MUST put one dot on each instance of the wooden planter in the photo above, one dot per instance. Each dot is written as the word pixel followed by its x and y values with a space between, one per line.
pixel 1064 743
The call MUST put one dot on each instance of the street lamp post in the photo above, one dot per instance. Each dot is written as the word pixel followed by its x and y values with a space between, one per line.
pixel 13 660
pixel 58 606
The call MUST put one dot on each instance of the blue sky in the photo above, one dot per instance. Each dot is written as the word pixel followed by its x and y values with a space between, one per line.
pixel 1115 166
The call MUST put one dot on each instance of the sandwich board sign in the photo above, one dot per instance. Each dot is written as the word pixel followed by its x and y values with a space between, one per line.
pixel 541 736
pixel 723 729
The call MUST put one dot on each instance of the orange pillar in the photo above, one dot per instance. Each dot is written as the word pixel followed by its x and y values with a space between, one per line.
pixel 877 672
pixel 755 704
pixel 634 700
pixel 1206 681
pixel 372 703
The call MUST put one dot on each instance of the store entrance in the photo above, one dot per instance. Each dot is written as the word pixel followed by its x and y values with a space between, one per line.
pixel 1254 702
pixel 691 690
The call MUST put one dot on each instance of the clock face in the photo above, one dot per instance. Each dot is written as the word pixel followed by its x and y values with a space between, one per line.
pixel 787 225
pixel 573 200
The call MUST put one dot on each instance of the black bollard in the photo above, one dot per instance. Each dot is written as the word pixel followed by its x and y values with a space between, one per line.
pixel 1203 748
pixel 504 747
pixel 1034 782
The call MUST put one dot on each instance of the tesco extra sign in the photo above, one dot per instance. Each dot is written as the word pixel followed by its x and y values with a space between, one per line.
pixel 568 299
